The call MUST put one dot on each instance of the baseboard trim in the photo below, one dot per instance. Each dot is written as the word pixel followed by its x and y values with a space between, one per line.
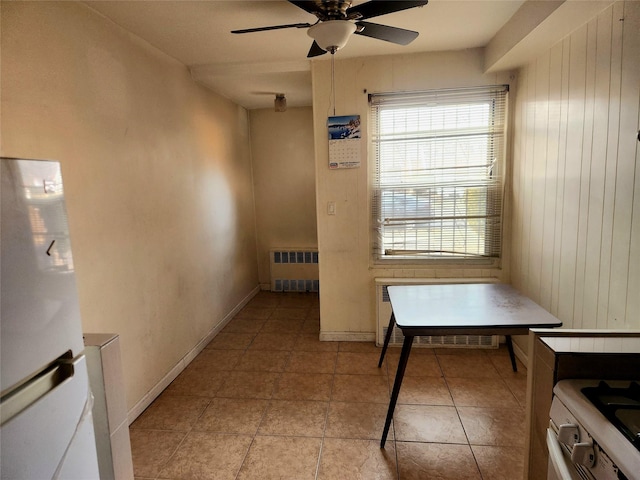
pixel 159 387
pixel 347 337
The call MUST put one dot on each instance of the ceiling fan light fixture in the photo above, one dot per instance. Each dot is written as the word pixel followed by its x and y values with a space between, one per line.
pixel 280 103
pixel 332 35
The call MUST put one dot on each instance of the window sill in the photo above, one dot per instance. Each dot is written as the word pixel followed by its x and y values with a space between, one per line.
pixel 404 262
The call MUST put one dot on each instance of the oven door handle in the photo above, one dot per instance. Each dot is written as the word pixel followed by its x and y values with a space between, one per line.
pixel 556 457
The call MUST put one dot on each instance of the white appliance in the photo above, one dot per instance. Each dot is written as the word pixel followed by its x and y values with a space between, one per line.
pixel 46 429
pixel 594 430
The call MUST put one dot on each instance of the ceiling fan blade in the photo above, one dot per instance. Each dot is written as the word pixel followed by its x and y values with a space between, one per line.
pixel 308 6
pixel 386 33
pixel 315 50
pixel 274 27
pixel 375 8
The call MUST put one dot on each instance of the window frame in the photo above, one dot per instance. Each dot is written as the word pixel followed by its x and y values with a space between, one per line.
pixel 494 192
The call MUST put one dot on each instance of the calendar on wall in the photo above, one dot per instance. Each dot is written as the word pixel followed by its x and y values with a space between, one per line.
pixel 344 141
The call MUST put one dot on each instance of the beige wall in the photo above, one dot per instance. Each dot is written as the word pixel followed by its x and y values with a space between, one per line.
pixel 576 183
pixel 284 182
pixel 157 178
pixel 347 293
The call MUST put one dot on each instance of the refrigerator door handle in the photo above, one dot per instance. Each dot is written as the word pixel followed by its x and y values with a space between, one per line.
pixel 22 396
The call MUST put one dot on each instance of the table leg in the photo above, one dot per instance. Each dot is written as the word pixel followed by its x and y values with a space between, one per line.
pixel 387 338
pixel 402 365
pixel 511 354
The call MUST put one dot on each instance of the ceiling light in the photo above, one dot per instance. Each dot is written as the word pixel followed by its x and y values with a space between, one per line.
pixel 332 35
pixel 280 103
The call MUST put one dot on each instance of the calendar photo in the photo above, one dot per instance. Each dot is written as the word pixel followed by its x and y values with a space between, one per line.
pixel 344 141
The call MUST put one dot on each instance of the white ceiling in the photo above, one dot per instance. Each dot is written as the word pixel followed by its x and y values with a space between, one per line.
pixel 250 68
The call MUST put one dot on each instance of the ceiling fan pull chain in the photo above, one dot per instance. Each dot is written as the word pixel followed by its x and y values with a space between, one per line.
pixel 333 88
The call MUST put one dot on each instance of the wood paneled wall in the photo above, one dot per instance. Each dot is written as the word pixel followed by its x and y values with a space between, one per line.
pixel 575 193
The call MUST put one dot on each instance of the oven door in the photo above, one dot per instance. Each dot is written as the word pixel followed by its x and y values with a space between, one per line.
pixel 560 465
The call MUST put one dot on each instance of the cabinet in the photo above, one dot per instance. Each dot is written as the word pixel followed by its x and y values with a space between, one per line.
pixel 109 408
pixel 555 355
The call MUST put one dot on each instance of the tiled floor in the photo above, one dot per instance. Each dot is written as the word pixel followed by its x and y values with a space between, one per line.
pixel 267 400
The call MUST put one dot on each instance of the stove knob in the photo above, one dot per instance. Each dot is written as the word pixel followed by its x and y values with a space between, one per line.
pixel 583 454
pixel 568 434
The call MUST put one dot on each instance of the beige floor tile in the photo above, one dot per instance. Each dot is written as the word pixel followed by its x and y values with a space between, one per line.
pixel 273 341
pixel 231 341
pixel 274 397
pixel 290 312
pixel 169 412
pixel 254 312
pixel 493 426
pixel 357 420
pixel 152 449
pixel 311 343
pixel 212 360
pixel 304 386
pixel 291 326
pixel 360 347
pixel 481 392
pixel 248 385
pixel 501 350
pixel 205 456
pixel 426 423
pixel 500 463
pixel 348 459
pixel 299 300
pixel 421 363
pixel 424 391
pixel 518 386
pixel 266 299
pixel 470 366
pixel 435 461
pixel 360 388
pixel 314 314
pixel 358 363
pixel 460 351
pixel 294 418
pixel 195 382
pixel 312 362
pixel 262 361
pixel 503 366
pixel 244 325
pixel 311 325
pixel 232 415
pixel 280 458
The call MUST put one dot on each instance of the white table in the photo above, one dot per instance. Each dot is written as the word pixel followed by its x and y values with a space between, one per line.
pixel 459 309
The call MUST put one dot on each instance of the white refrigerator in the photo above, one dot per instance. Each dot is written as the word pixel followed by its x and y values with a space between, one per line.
pixel 46 428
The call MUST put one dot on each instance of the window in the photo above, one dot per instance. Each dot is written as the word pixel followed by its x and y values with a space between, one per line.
pixel 437 187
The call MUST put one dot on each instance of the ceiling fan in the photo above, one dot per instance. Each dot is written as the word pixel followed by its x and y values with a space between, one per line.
pixel 338 20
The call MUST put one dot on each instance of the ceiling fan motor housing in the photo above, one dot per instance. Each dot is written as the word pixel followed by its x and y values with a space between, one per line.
pixel 333 9
pixel 332 35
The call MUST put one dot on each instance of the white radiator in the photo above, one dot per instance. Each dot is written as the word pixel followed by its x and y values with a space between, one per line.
pixel 383 313
pixel 294 270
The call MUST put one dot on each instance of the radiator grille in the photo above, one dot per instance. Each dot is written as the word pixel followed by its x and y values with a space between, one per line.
pixel 294 270
pixel 296 285
pixel 460 341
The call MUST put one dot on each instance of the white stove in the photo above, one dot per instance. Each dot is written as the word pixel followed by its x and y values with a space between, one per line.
pixel 594 430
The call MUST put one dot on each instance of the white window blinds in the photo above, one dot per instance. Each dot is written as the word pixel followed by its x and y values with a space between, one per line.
pixel 437 188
